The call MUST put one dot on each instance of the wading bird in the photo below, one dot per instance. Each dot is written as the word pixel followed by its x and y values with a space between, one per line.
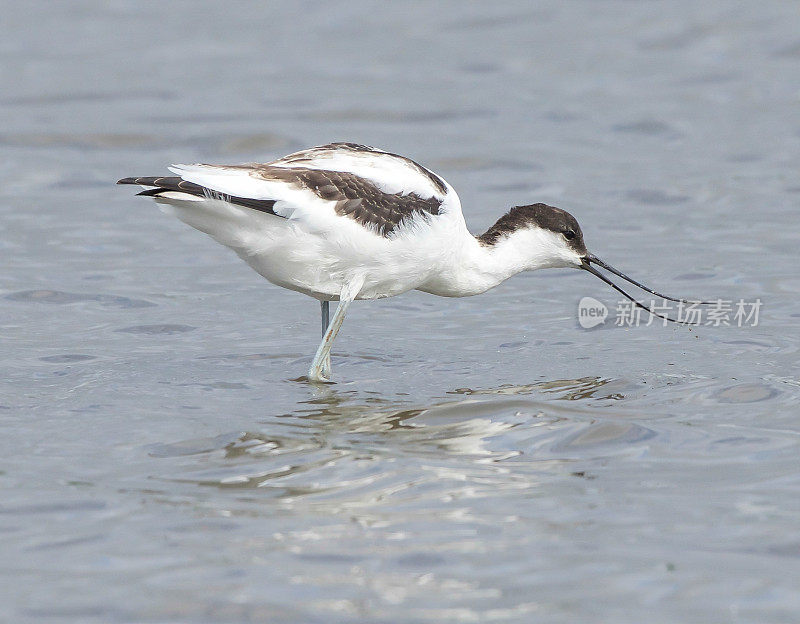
pixel 343 221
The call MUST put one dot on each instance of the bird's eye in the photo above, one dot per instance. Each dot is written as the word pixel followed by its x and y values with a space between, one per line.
pixel 569 234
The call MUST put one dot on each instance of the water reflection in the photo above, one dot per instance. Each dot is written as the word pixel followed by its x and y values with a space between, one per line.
pixel 566 389
pixel 342 448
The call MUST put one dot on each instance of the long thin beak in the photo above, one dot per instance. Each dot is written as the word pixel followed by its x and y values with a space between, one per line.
pixel 587 267
pixel 592 258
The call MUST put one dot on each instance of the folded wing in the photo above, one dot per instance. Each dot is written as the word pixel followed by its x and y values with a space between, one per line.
pixel 380 191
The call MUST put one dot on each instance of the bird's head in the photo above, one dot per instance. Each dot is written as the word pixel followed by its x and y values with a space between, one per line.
pixel 545 237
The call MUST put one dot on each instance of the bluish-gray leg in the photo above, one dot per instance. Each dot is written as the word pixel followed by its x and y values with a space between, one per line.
pixel 349 292
pixel 325 308
pixel 317 371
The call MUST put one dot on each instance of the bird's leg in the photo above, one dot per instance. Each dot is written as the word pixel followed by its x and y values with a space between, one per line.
pixel 320 369
pixel 317 371
pixel 325 308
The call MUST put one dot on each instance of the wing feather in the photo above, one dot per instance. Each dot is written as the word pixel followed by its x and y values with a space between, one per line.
pixel 390 172
pixel 379 190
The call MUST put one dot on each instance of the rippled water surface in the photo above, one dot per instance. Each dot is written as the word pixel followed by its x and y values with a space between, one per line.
pixel 478 460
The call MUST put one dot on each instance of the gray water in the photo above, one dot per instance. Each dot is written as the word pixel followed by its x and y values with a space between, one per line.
pixel 478 460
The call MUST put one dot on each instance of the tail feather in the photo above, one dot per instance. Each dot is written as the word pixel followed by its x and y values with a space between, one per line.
pixel 172 184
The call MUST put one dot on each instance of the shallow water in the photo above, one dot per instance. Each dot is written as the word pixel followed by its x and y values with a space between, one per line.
pixel 478 460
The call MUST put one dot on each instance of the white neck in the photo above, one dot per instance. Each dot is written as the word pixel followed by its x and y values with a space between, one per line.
pixel 477 267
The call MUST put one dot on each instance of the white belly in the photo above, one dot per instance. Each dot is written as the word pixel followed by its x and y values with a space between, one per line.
pixel 320 268
pixel 316 264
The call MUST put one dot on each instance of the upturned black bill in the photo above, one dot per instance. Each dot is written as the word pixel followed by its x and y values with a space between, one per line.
pixel 586 266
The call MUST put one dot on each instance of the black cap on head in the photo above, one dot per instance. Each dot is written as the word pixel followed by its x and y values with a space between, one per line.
pixel 537 215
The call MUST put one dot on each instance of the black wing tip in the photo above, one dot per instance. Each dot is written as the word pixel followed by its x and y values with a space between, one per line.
pixel 153 192
pixel 165 184
pixel 151 180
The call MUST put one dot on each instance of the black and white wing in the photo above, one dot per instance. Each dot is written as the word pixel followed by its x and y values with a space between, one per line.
pixel 380 191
